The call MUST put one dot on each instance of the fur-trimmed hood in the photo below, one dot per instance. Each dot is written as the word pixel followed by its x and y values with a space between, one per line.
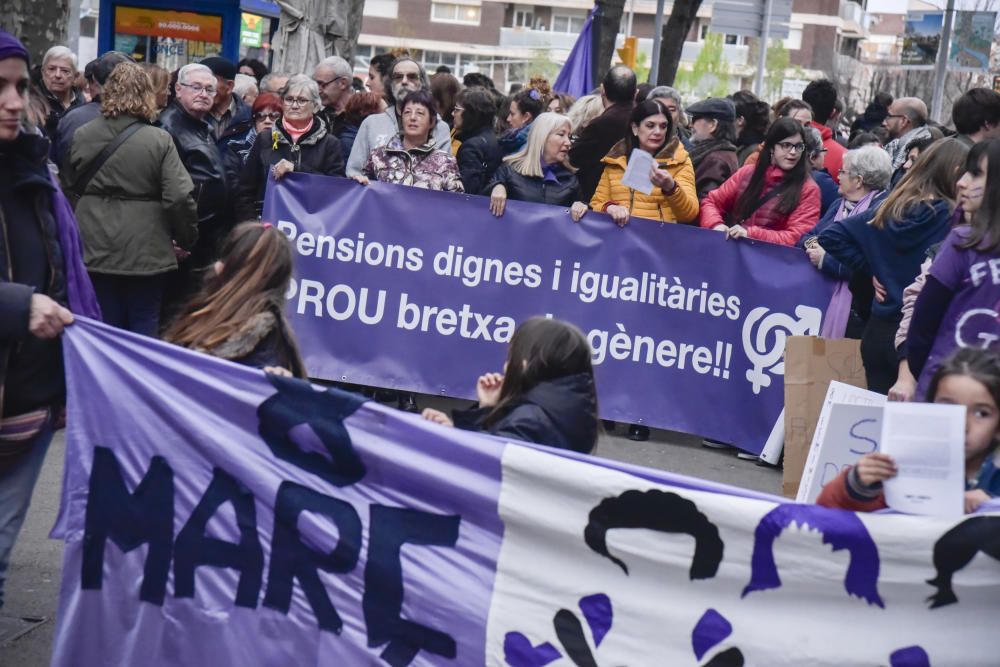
pixel 246 339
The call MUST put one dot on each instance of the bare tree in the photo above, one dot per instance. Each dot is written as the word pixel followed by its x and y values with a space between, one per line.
pixel 682 16
pixel 39 24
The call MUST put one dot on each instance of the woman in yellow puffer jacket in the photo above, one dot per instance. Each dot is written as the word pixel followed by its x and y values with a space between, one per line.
pixel 674 198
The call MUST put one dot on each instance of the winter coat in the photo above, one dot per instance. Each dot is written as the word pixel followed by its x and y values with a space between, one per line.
pixel 316 152
pixel 834 151
pixel 560 413
pixel 201 157
pixel 714 168
pixel 766 223
pixel 871 119
pixel 57 110
pixel 680 206
pixel 562 191
pixel 593 144
pixel 478 158
pixel 263 340
pixel 347 136
pixel 138 202
pixel 72 121
pixel 376 130
pixel 31 261
pixel 892 254
pixel 828 190
pixel 422 167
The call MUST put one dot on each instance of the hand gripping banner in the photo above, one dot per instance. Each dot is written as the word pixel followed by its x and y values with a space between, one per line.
pixel 216 516
pixel 405 288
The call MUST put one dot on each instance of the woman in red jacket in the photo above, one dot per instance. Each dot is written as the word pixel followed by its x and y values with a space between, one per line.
pixel 774 200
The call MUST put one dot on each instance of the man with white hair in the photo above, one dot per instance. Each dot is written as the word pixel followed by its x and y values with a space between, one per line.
pixel 274 82
pixel 58 73
pixel 245 88
pixel 334 77
pixel 186 121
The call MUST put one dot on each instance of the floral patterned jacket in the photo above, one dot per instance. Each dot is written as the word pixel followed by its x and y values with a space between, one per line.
pixel 423 167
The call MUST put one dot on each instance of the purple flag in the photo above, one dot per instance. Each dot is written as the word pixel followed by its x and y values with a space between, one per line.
pixel 576 77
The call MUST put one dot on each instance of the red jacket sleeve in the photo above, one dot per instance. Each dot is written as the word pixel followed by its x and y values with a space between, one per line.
pixel 801 220
pixel 836 495
pixel 720 201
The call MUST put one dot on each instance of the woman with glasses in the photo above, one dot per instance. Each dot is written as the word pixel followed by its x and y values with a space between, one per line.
pixel 266 111
pixel 892 242
pixel 412 156
pixel 479 154
pixel 774 200
pixel 300 141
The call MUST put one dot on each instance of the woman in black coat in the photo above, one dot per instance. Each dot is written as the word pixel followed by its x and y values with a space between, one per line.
pixel 300 142
pixel 479 156
pixel 540 171
pixel 547 396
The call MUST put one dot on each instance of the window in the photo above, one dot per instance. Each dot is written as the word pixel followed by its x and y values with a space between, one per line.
pixel 524 18
pixel 386 9
pixel 732 39
pixel 436 58
pixel 704 32
pixel 88 26
pixel 570 24
pixel 794 40
pixel 450 12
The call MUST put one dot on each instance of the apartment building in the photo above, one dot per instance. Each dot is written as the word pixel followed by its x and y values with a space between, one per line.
pixel 504 39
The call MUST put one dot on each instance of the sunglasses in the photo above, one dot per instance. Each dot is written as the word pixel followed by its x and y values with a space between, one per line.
pixel 268 115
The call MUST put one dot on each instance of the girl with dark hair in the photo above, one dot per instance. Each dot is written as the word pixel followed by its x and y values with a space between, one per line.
pixel 891 242
pixel 673 198
pixel 412 156
pixel 479 154
pixel 752 118
pixel 961 280
pixel 239 312
pixel 253 67
pixel 774 200
pixel 525 107
pixel 969 377
pixel 546 394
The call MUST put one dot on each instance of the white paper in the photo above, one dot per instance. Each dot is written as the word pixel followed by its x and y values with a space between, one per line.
pixel 640 163
pixel 775 442
pixel 818 459
pixel 927 441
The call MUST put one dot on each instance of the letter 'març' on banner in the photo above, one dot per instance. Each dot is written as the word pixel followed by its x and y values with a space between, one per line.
pixel 216 516
pixel 405 288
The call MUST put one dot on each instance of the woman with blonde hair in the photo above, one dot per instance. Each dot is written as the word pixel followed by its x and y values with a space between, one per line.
pixel 540 172
pixel 584 110
pixel 134 203
pixel 161 84
pixel 239 312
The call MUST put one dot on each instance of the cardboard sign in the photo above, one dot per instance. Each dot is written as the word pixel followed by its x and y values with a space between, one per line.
pixel 811 363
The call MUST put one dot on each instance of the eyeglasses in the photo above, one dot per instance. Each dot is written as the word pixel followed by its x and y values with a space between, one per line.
pixel 296 101
pixel 789 147
pixel 457 109
pixel 324 84
pixel 412 76
pixel 56 69
pixel 896 115
pixel 198 89
pixel 262 115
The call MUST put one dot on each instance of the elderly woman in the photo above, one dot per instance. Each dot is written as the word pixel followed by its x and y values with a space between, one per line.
pixel 539 172
pixel 137 203
pixel 300 142
pixel 266 111
pixel 412 157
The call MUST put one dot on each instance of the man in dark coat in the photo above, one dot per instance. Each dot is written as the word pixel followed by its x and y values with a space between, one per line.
pixel 56 85
pixel 597 138
pixel 185 120
pixel 41 273
pixel 713 143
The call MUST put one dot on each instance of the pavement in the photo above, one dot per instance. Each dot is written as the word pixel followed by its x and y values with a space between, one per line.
pixel 27 621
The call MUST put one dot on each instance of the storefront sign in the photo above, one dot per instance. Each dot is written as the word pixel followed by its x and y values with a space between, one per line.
pixel 161 23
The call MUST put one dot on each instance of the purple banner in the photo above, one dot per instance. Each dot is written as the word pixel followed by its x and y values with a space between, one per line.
pixel 217 516
pixel 417 290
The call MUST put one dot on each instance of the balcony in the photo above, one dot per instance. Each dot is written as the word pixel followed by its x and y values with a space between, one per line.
pixel 857 22
pixel 734 55
pixel 525 38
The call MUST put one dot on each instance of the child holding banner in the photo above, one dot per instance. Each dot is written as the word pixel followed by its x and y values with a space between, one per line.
pixel 970 377
pixel 547 396
pixel 238 313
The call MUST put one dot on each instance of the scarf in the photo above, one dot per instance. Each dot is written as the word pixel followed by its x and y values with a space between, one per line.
pixel 699 149
pixel 79 290
pixel 847 208
pixel 295 133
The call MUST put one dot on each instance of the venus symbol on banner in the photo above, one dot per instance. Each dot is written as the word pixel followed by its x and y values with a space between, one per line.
pixel 764 350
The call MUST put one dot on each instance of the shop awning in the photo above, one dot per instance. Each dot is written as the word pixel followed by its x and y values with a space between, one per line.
pixel 261 8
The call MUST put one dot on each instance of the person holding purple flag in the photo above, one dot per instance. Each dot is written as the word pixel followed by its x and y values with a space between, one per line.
pixel 958 303
pixel 42 283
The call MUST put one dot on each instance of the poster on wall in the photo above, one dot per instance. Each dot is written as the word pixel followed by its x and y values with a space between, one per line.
pixel 972 39
pixel 921 38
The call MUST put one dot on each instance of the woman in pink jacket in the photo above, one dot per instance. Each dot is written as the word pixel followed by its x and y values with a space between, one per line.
pixel 774 200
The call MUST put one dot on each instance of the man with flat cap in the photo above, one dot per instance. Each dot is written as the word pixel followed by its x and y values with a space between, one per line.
pixel 229 115
pixel 713 143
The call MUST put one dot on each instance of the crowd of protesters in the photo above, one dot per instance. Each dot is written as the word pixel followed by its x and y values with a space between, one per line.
pixel 164 175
